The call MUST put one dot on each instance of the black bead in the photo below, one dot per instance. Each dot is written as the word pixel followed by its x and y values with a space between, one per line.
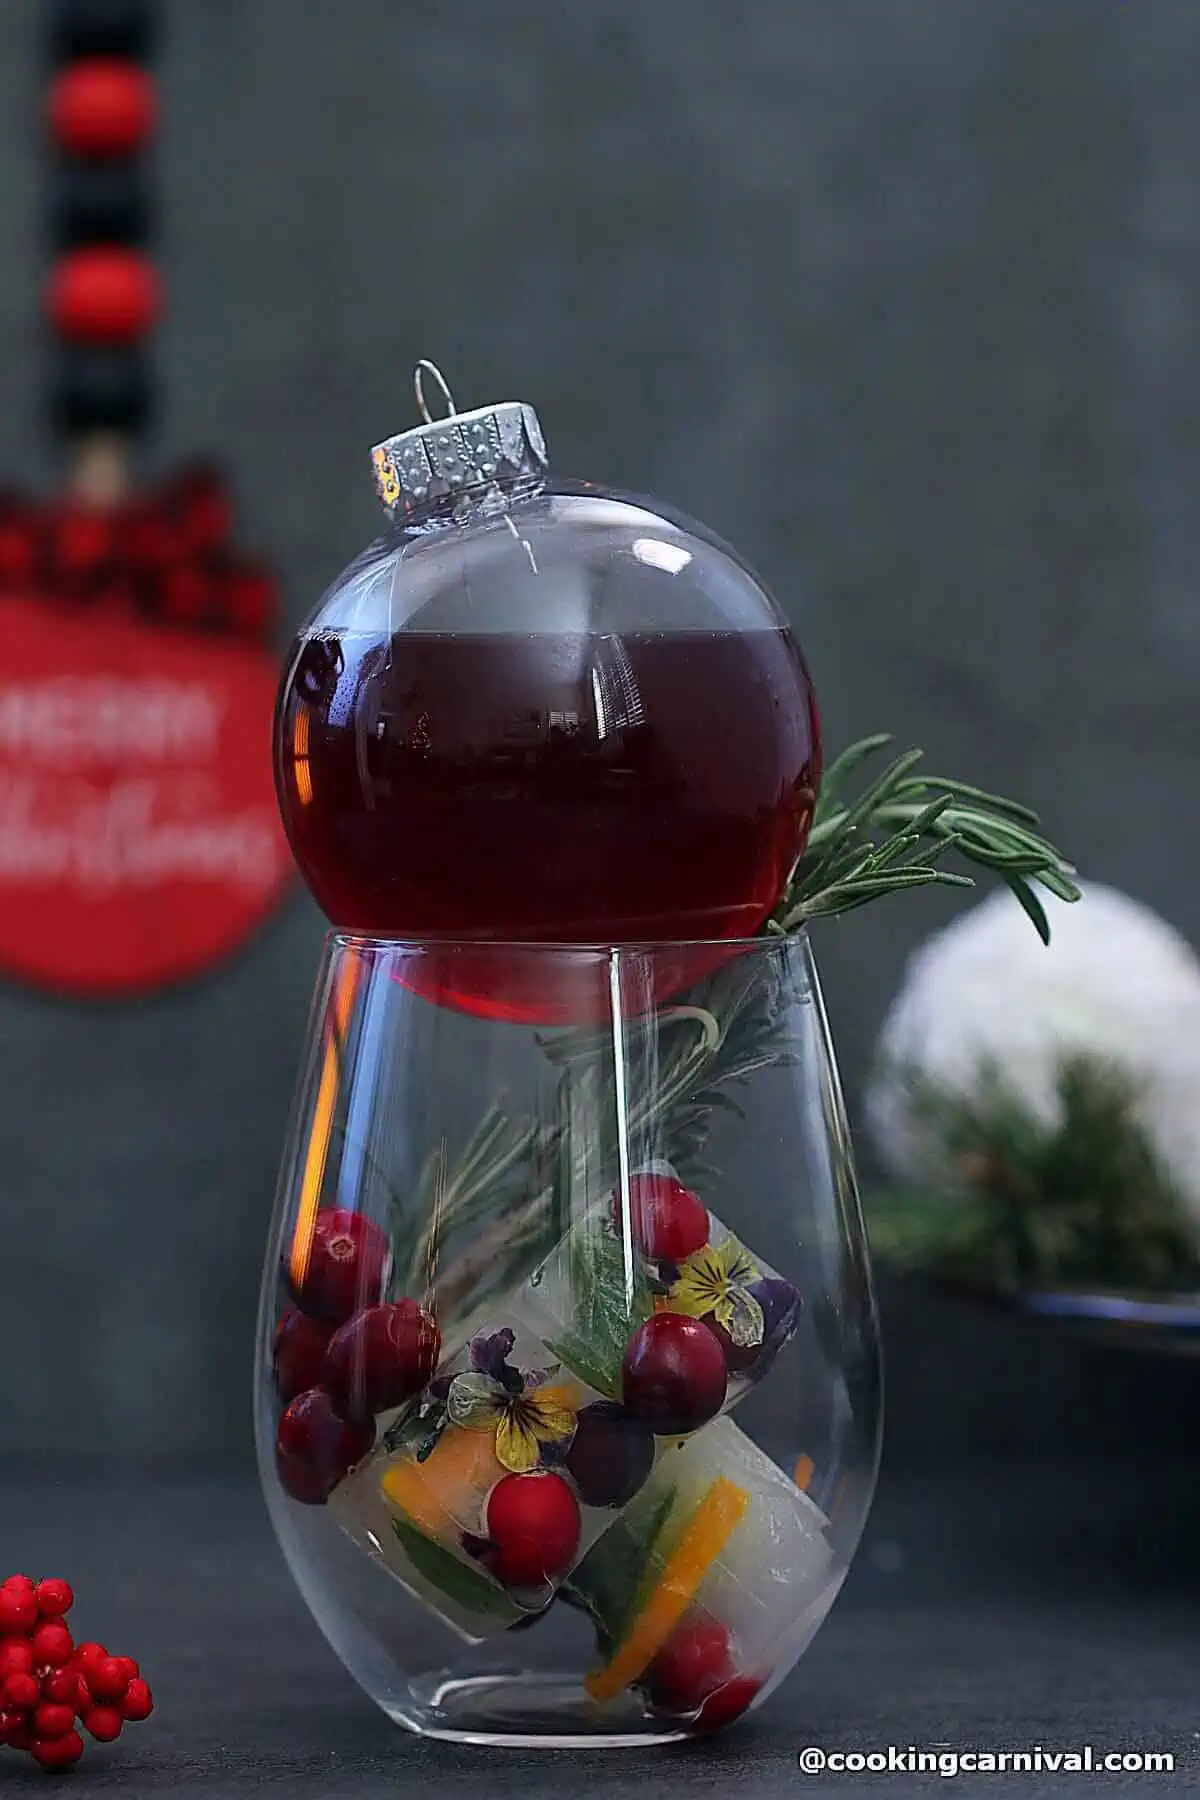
pixel 100 390
pixel 99 203
pixel 103 28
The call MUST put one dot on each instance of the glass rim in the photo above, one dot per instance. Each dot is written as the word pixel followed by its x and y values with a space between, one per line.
pixel 762 942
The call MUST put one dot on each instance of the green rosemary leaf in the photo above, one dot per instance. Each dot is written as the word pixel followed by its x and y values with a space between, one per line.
pixel 443 1570
pixel 1032 905
pixel 610 1582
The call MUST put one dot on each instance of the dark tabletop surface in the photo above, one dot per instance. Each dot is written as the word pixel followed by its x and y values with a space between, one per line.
pixel 1000 1608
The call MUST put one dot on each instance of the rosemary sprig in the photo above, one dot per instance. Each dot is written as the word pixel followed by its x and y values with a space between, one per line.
pixel 896 833
pixel 518 1183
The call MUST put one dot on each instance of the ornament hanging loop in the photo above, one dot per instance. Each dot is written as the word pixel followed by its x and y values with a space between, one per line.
pixel 422 369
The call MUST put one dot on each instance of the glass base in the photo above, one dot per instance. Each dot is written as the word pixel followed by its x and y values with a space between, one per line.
pixel 525 1712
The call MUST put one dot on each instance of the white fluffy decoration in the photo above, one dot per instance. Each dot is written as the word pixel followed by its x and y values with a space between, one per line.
pixel 1116 981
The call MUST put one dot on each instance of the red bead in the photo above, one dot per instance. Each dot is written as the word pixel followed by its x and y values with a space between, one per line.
pixel 18 1609
pixel 64 1687
pixel 694 1662
pixel 673 1376
pixel 104 296
pixel 21 1691
pixel 108 1680
pixel 348 1263
pixel 50 1721
pixel 104 1722
pixel 532 1524
pixel 314 1448
pixel 87 1655
pixel 138 1703
pixel 668 1221
pixel 52 1644
pixel 381 1358
pixel 298 1353
pixel 57 1752
pixel 100 107
pixel 54 1598
pixel 16 1656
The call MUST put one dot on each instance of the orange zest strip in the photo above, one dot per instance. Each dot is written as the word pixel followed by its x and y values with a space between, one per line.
pixel 803 1473
pixel 705 1536
pixel 322 1121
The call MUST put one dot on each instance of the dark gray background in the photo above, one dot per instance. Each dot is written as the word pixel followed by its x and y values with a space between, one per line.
pixel 903 299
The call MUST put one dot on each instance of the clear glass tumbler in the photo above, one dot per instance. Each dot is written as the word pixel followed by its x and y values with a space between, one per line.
pixel 568 1391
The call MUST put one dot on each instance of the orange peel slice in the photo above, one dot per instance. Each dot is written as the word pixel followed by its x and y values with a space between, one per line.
pixel 705 1536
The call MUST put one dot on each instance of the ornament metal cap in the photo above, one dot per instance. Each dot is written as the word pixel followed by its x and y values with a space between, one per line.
pixel 463 457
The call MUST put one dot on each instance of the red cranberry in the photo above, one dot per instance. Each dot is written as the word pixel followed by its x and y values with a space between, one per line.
pixel 695 1661
pixel 532 1523
pixel 298 1353
pixel 611 1454
pixel 727 1704
pixel 18 1609
pixel 104 1723
pixel 57 1752
pixel 52 1644
pixel 87 1656
pixel 381 1358
pixel 16 1657
pixel 20 1691
pixel 54 1598
pixel 64 1687
pixel 314 1448
pixel 348 1263
pixel 51 1721
pixel 673 1375
pixel 138 1703
pixel 108 1679
pixel 668 1221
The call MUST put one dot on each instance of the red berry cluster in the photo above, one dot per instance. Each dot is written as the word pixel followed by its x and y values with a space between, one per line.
pixel 47 1681
pixel 343 1355
pixel 163 555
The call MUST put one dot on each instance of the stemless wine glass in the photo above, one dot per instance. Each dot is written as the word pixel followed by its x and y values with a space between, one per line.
pixel 568 1394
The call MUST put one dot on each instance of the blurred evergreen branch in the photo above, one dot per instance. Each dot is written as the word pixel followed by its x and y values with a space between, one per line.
pixel 1082 1203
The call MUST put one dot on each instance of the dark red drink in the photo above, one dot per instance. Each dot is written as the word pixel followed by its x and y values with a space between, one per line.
pixel 545 790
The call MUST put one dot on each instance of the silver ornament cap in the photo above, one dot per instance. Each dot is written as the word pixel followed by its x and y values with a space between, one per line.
pixel 459 460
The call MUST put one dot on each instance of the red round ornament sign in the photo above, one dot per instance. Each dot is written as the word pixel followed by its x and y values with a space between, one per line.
pixel 139 837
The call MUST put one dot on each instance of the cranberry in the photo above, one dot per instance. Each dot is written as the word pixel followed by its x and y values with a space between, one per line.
pixel 16 1657
pixel 668 1221
pixel 57 1752
pixel 108 1679
pixel 20 1691
pixel 381 1358
pixel 348 1263
pixel 104 1723
pixel 694 1662
pixel 51 1721
pixel 65 1688
pixel 780 1303
pixel 298 1353
pixel 52 1644
pixel 673 1375
pixel 727 1704
pixel 21 1583
pixel 18 1609
pixel 314 1448
pixel 611 1454
pixel 54 1598
pixel 532 1523
pixel 138 1703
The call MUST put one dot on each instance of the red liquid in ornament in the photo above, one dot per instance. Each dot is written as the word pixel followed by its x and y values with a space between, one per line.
pixel 550 789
